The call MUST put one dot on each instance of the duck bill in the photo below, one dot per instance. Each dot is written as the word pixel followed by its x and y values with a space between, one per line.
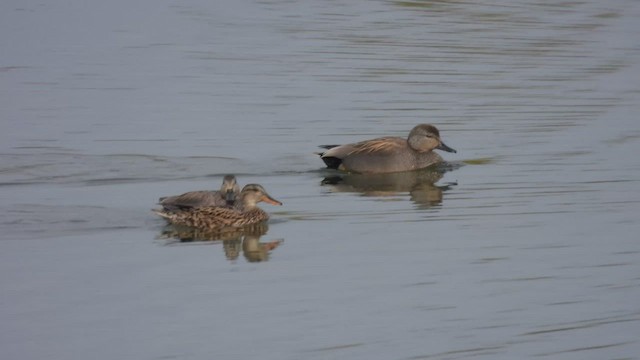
pixel 444 147
pixel 269 200
pixel 230 197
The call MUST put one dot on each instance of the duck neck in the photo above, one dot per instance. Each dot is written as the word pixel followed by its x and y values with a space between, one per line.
pixel 248 203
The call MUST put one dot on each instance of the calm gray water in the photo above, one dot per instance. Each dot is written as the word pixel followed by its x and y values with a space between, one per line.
pixel 526 248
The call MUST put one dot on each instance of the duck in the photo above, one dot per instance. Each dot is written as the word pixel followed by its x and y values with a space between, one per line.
pixel 244 213
pixel 226 196
pixel 388 154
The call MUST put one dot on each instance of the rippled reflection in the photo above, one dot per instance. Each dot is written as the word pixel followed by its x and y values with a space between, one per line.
pixel 234 241
pixel 420 185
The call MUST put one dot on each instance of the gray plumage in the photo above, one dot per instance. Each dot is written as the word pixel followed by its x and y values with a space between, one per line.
pixel 388 154
pixel 226 196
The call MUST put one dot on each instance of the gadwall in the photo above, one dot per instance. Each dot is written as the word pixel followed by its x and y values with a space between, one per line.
pixel 244 213
pixel 388 154
pixel 226 196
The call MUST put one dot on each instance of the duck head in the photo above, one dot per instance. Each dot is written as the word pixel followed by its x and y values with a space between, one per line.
pixel 426 137
pixel 229 189
pixel 252 194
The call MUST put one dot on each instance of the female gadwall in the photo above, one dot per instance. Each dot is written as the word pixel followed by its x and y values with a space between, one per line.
pixel 226 196
pixel 388 154
pixel 216 217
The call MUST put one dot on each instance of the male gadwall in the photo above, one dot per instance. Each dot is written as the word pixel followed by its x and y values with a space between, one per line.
pixel 388 154
pixel 244 213
pixel 226 196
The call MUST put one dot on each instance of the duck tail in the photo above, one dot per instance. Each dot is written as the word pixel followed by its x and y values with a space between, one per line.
pixel 328 146
pixel 163 213
pixel 331 162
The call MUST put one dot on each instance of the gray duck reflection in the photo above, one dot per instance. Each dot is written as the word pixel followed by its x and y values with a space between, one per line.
pixel 234 241
pixel 420 185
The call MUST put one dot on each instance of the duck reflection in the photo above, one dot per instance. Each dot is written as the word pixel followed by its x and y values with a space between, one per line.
pixel 421 185
pixel 234 241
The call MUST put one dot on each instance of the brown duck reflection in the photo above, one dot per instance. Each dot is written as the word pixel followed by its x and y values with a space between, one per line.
pixel 234 241
pixel 419 184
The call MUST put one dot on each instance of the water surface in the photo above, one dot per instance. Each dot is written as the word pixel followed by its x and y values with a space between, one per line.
pixel 525 247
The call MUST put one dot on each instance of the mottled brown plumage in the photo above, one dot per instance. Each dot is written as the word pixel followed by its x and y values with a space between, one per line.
pixel 215 217
pixel 388 154
pixel 226 196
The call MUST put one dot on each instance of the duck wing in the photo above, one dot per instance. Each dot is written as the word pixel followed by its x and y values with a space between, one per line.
pixel 380 146
pixel 193 199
